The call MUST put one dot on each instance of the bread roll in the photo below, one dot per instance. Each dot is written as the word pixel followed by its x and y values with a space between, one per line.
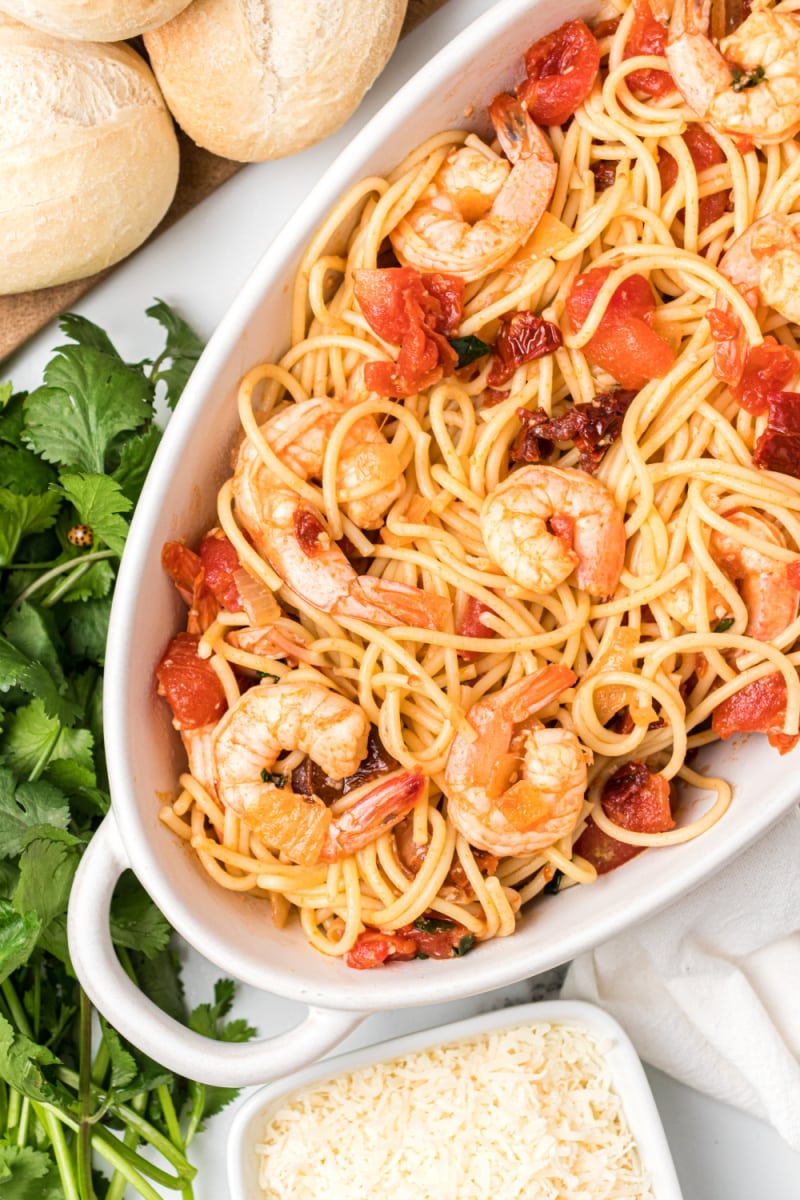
pixel 93 20
pixel 88 157
pixel 258 79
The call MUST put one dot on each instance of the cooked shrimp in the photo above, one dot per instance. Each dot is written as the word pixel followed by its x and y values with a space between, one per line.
pixel 762 581
pixel 751 84
pixel 368 464
pixel 764 264
pixel 291 535
pixel 479 209
pixel 518 787
pixel 679 600
pixel 542 523
pixel 299 715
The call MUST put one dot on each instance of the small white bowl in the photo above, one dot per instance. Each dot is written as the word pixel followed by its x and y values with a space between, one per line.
pixel 629 1079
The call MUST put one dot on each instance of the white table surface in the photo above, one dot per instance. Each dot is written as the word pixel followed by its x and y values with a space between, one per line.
pixel 198 266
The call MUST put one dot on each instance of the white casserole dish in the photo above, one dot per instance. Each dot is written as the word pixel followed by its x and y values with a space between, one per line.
pixel 145 755
pixel 629 1079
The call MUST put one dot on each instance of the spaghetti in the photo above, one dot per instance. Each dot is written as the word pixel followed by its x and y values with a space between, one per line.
pixel 515 524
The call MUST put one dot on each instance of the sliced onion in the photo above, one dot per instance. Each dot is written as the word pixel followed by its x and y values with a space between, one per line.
pixel 257 600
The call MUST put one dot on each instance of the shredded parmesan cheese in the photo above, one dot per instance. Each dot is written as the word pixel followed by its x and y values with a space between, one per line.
pixel 526 1113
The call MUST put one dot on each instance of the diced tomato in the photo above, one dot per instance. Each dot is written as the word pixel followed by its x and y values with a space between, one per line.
pixel 470 625
pixel 633 798
pixel 562 68
pixel 767 369
pixel 436 938
pixel 183 567
pixel 220 563
pixel 523 337
pixel 705 152
pixel 415 311
pixel 189 684
pixel 647 36
pixel 608 28
pixel 625 343
pixel 778 448
pixel 760 707
pixel 730 346
pixel 372 949
pixel 793 573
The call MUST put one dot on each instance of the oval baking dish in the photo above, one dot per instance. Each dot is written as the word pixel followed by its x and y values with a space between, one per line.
pixel 144 753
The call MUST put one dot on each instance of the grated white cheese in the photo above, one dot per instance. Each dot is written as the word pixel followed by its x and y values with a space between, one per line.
pixel 526 1113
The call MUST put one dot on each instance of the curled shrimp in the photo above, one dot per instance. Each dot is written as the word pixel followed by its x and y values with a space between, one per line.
pixel 764 264
pixel 762 581
pixel 751 84
pixel 519 786
pixel 542 523
pixel 291 535
pixel 479 209
pixel 300 715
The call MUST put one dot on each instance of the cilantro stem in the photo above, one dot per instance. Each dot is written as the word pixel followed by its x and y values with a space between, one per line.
pixel 52 1128
pixel 15 1008
pixel 116 1189
pixel 54 572
pixel 44 756
pixel 14 1110
pixel 22 1125
pixel 84 1147
pixel 102 1059
pixel 196 1115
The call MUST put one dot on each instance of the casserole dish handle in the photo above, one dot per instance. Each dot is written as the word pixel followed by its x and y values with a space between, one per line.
pixel 224 1064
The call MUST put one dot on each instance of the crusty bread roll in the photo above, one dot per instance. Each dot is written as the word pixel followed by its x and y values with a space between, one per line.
pixel 93 20
pixel 88 157
pixel 258 79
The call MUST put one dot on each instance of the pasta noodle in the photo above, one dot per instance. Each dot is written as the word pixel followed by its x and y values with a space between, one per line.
pixel 605 353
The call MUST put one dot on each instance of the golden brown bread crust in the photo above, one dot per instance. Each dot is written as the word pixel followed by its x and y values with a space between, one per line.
pixel 93 20
pixel 259 79
pixel 88 157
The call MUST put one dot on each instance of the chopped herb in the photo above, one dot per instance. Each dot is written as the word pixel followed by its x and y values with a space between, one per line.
pixel 724 625
pixel 465 945
pixel 433 925
pixel 268 675
pixel 419 954
pixel 278 781
pixel 552 888
pixel 747 79
pixel 469 348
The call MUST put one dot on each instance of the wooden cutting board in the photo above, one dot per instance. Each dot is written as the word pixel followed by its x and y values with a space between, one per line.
pixel 201 173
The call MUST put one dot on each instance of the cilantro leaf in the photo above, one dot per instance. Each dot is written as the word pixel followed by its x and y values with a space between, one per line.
pixel 135 920
pixel 464 946
pixel 469 349
pixel 554 886
pixel 33 632
pixel 19 933
pixel 25 1172
pixel 21 515
pixel 92 584
pixel 21 1063
pixel 87 628
pixel 182 351
pixel 433 925
pixel 23 472
pixel 47 866
pixel 136 455
pixel 33 739
pixel 12 421
pixel 207 1019
pixel 86 333
pixel 18 670
pixel 24 806
pixel 88 399
pixel 724 625
pixel 159 978
pixel 99 502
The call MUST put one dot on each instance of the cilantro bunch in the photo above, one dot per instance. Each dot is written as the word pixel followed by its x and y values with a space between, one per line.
pixel 74 1097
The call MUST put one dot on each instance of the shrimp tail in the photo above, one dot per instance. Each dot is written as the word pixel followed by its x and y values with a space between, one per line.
pixel 297 824
pixel 387 603
pixel 379 809
pixel 534 691
pixel 527 191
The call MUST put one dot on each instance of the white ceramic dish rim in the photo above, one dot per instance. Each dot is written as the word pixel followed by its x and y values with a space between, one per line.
pixel 338 997
pixel 626 1069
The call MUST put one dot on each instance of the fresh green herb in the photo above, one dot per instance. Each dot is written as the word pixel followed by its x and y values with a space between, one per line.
pixel 278 781
pixel 464 946
pixel 73 457
pixel 433 925
pixel 553 887
pixel 469 349
pixel 268 675
pixel 724 625
pixel 741 80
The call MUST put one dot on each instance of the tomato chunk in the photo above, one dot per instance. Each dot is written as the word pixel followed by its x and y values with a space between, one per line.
pixel 705 153
pixel 625 344
pixel 647 36
pixel 417 312
pixel 220 563
pixel 767 369
pixel 183 567
pixel 778 448
pixel 190 684
pixel 562 68
pixel 372 949
pixel 760 707
pixel 429 937
pixel 633 798
pixel 471 625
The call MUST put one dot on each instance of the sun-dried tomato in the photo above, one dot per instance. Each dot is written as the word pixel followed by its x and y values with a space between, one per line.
pixel 593 427
pixel 416 311
pixel 647 37
pixel 309 779
pixel 624 344
pixel 759 707
pixel 778 448
pixel 189 684
pixel 605 172
pixel 633 798
pixel 523 337
pixel 767 369
pixel 562 68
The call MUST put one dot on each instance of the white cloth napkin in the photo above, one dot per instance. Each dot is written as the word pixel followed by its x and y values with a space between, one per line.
pixel 709 990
